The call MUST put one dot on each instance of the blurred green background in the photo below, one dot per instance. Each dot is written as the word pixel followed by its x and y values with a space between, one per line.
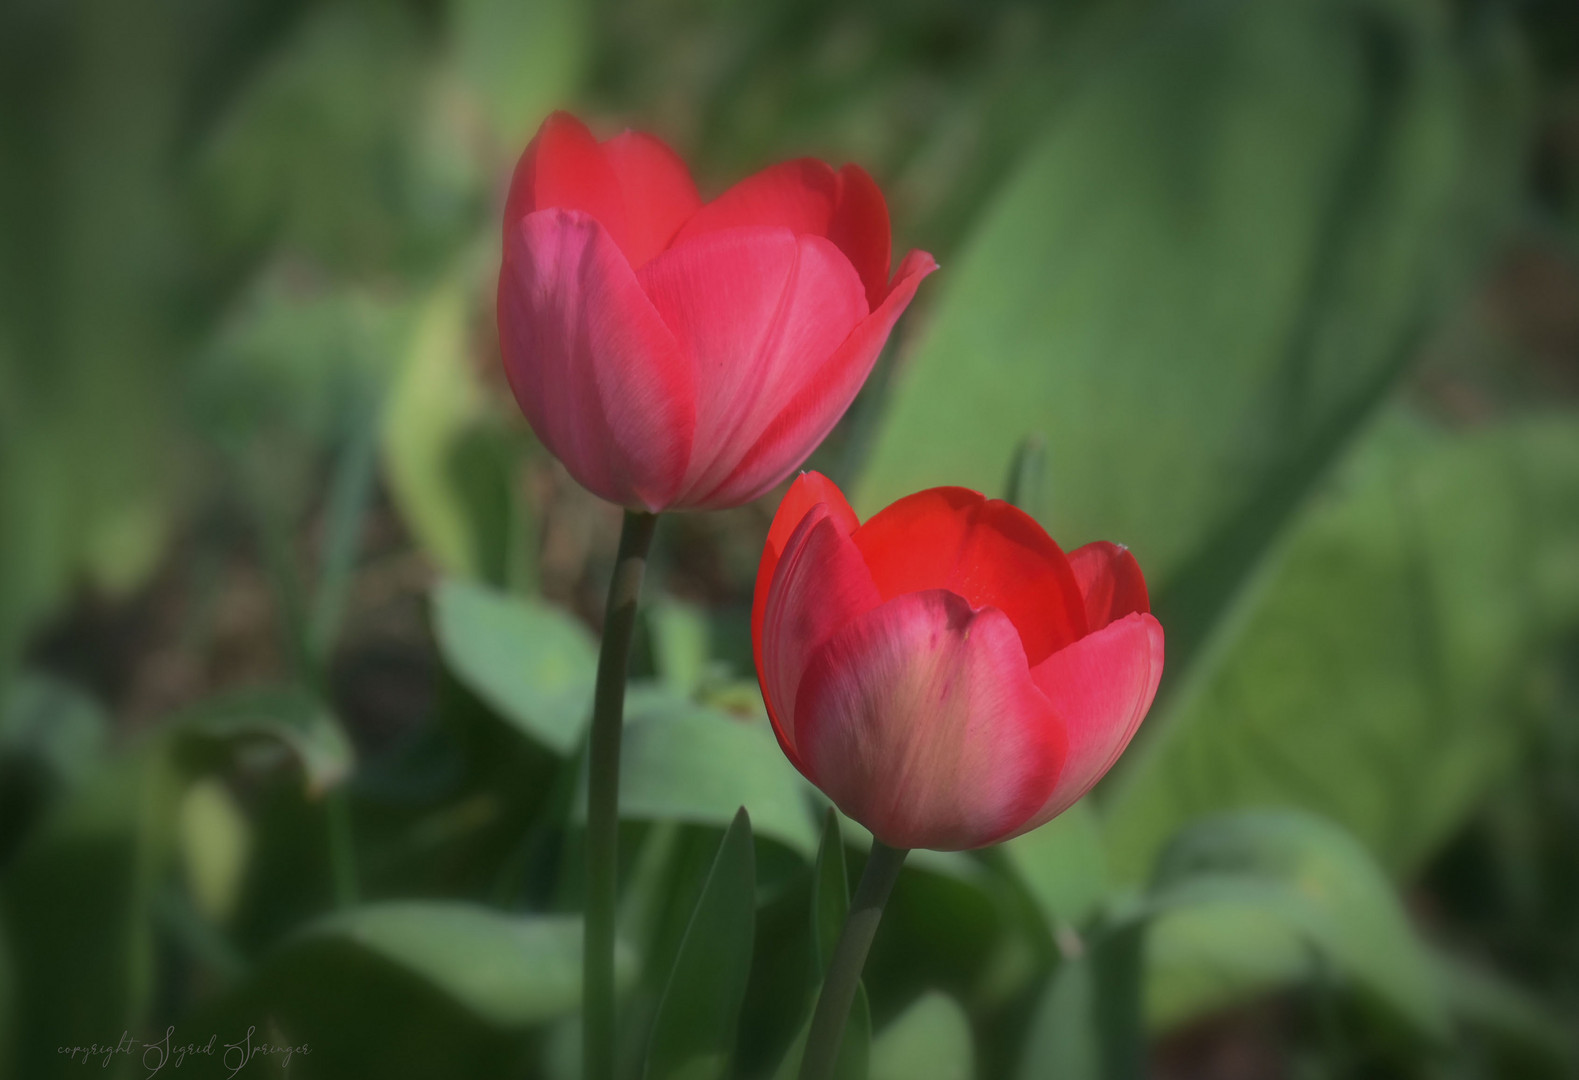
pixel 297 621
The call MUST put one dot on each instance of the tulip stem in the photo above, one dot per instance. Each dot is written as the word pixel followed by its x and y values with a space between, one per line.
pixel 849 958
pixel 603 795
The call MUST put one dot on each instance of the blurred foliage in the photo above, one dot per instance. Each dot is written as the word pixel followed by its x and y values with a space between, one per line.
pixel 297 618
pixel 1393 649
pixel 1247 216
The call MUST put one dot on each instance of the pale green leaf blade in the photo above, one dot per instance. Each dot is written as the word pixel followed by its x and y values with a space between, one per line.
pixel 830 897
pixel 509 970
pixel 1087 1023
pixel 1244 901
pixel 681 761
pixel 693 1034
pixel 1372 675
pixel 433 400
pixel 930 1040
pixel 530 662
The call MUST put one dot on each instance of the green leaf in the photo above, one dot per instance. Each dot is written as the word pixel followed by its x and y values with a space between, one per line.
pixel 414 988
pixel 830 893
pixel 929 1041
pixel 1378 674
pixel 1239 904
pixel 950 909
pixel 532 663
pixel 1255 899
pixel 1087 1024
pixel 289 717
pixel 1530 1038
pixel 1061 1044
pixel 433 399
pixel 693 1034
pixel 854 1049
pixel 681 639
pixel 76 903
pixel 830 906
pixel 1245 214
pixel 685 762
pixel 509 970
pixel 448 464
pixel 1063 865
pixel 215 841
pixel 1224 943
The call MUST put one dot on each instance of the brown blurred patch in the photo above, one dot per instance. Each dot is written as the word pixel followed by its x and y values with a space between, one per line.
pixel 1244 1044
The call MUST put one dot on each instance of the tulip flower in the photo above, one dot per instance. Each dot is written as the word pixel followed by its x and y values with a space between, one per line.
pixel 944 672
pixel 676 354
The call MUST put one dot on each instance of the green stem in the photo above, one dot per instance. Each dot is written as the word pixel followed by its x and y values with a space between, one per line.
pixel 849 957
pixel 603 795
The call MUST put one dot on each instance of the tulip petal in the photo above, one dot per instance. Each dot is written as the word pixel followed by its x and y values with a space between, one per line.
pixel 805 418
pixel 860 228
pixel 798 195
pixel 991 553
pixel 810 489
pixel 1101 686
pixel 919 719
pixel 819 584
pixel 808 197
pixel 657 190
pixel 1111 582
pixel 758 310
pixel 564 167
pixel 593 367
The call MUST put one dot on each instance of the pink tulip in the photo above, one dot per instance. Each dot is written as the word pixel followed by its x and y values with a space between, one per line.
pixel 681 355
pixel 944 672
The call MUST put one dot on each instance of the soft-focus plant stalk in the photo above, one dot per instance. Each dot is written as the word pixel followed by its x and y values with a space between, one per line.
pixel 849 957
pixel 310 630
pixel 603 795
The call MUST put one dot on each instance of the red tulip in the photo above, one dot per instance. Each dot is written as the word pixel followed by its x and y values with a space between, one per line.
pixel 944 672
pixel 675 354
